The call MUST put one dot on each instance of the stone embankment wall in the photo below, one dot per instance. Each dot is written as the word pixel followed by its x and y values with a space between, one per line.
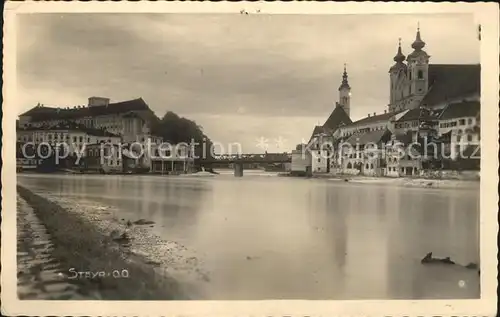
pixel 38 272
pixel 77 244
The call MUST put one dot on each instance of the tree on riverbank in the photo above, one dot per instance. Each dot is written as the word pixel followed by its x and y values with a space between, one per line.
pixel 175 129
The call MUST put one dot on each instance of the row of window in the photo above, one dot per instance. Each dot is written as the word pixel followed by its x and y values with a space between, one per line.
pixel 51 139
pixel 100 121
pixel 454 123
pixel 168 153
pixel 394 169
pixel 106 151
pixel 364 130
pixel 405 125
pixel 367 166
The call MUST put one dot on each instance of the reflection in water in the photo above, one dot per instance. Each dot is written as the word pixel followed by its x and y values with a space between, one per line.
pixel 272 237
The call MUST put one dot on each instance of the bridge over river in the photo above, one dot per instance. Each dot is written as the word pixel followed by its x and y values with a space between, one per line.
pixel 240 161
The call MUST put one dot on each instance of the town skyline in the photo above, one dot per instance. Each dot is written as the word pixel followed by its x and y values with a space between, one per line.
pixel 268 89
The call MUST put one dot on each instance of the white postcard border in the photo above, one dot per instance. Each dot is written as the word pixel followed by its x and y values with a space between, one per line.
pixel 486 14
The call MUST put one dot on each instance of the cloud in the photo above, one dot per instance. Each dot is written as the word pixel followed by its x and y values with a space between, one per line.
pixel 276 68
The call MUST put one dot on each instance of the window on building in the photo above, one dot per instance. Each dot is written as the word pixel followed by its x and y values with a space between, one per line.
pixel 371 166
pixel 470 121
pixel 319 160
pixel 420 74
pixel 459 138
pixel 469 137
pixel 461 122
pixel 349 165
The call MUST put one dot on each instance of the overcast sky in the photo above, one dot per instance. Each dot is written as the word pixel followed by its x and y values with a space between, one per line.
pixel 241 77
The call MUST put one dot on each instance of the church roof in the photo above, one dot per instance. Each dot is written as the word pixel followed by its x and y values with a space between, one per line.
pixel 461 109
pixel 317 130
pixel 374 137
pixel 452 81
pixel 337 118
pixel 422 114
pixel 376 118
pixel 42 113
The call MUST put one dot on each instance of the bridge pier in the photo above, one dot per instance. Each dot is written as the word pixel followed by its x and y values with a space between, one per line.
pixel 238 169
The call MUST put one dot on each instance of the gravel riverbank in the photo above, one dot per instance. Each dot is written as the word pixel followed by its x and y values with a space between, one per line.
pixel 167 257
pixel 77 245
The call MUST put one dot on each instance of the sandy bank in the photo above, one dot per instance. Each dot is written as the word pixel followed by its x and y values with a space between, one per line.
pixel 410 182
pixel 79 244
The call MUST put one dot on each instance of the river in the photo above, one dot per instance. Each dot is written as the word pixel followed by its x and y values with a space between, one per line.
pixel 268 237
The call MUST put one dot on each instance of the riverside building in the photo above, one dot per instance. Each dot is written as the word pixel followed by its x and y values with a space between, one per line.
pixel 127 123
pixel 427 102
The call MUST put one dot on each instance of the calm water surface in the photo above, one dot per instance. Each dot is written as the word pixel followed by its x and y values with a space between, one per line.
pixel 286 238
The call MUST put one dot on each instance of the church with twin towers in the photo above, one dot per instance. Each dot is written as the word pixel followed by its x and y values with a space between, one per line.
pixel 414 83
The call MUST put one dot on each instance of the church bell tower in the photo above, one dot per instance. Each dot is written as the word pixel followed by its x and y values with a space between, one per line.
pixel 397 74
pixel 345 93
pixel 418 67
